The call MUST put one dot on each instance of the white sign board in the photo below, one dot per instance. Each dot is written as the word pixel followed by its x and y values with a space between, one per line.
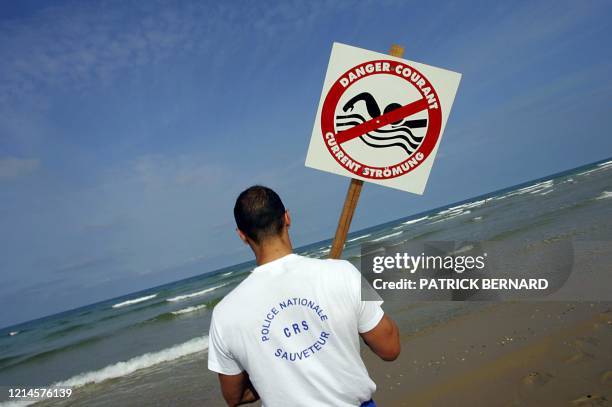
pixel 380 118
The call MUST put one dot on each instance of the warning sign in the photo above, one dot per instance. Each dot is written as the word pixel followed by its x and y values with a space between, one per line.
pixel 380 118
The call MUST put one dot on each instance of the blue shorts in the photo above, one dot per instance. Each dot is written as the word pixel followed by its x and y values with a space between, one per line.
pixel 369 403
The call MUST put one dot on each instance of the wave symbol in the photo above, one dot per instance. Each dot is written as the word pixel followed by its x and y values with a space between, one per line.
pixel 399 135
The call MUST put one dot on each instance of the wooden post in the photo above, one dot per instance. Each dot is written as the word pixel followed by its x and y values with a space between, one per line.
pixel 352 195
pixel 344 223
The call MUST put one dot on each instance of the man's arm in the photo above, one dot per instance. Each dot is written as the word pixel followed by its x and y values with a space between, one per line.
pixel 237 389
pixel 384 339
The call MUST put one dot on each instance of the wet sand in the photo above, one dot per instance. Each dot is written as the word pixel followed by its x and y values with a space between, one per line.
pixel 502 354
pixel 506 354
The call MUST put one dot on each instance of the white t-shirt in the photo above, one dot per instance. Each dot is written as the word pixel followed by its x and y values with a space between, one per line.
pixel 293 325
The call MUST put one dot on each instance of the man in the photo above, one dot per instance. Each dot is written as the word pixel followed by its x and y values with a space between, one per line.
pixel 289 333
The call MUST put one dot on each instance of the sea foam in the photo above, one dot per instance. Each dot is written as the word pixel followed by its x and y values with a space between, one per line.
pixel 357 238
pixel 601 166
pixel 135 301
pixel 531 189
pixel 125 368
pixel 195 294
pixel 120 369
pixel 410 222
pixel 605 165
pixel 189 309
pixel 534 189
pixel 605 195
pixel 453 214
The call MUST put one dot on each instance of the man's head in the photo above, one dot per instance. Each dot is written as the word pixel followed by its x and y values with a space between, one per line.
pixel 260 215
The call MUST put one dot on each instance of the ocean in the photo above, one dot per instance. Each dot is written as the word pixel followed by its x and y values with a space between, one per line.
pixel 149 347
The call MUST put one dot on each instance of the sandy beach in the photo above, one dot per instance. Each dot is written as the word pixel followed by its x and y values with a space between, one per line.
pixel 502 354
pixel 506 354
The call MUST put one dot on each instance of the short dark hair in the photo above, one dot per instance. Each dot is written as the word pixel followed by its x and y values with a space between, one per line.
pixel 259 213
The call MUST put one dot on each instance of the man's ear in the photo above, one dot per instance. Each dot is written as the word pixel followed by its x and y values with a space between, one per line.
pixel 242 236
pixel 287 218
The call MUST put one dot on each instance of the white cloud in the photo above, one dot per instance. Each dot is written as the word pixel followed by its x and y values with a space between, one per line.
pixel 12 167
pixel 82 44
pixel 73 46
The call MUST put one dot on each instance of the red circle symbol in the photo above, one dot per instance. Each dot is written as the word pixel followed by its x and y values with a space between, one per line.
pixel 429 101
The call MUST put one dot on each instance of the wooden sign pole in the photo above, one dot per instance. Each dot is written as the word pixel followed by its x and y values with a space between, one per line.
pixel 352 195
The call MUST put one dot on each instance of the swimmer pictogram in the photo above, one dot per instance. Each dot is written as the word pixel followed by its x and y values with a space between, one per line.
pixel 400 135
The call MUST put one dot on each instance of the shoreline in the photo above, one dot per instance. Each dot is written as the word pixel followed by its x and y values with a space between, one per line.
pixel 506 354
pixel 495 354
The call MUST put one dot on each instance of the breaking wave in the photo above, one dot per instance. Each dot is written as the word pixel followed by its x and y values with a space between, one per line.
pixel 125 368
pixel 195 294
pixel 601 166
pixel 120 369
pixel 531 189
pixel 135 301
pixel 358 238
pixel 451 215
pixel 410 222
pixel 605 195
pixel 468 205
pixel 189 309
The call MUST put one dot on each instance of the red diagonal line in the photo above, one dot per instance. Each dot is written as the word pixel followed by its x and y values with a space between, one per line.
pixel 380 121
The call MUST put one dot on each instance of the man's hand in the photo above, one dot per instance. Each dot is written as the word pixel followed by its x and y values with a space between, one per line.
pixel 384 339
pixel 237 389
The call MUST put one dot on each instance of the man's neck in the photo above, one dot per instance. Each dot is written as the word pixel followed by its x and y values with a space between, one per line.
pixel 272 250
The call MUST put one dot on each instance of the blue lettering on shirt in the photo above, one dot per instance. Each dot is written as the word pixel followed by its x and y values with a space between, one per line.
pixel 300 327
pixel 304 353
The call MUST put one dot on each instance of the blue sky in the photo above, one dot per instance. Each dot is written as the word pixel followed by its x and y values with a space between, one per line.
pixel 128 128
